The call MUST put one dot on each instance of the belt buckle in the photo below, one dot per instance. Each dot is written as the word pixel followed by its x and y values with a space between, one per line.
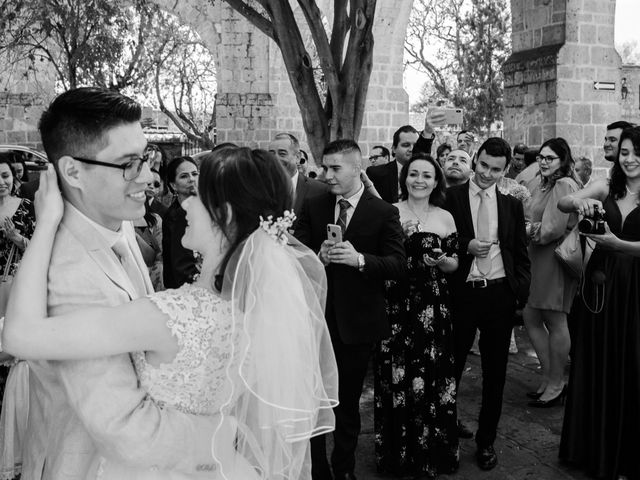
pixel 481 283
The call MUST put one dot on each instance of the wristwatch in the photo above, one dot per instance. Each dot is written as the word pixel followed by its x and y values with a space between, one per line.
pixel 360 262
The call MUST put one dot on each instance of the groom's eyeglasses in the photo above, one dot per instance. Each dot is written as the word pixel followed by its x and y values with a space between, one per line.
pixel 130 170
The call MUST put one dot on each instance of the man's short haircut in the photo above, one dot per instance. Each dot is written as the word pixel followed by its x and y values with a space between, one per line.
pixel 77 120
pixel 519 149
pixel 385 151
pixel 619 124
pixel 403 129
pixel 292 138
pixel 496 147
pixel 341 146
pixel 461 132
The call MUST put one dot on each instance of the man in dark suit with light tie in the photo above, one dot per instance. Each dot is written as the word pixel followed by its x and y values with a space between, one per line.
pixel 491 281
pixel 371 252
pixel 286 148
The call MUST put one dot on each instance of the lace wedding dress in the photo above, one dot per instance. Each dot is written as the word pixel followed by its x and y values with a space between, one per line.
pixel 196 381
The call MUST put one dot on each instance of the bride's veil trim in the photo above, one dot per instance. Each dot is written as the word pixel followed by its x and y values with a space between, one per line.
pixel 283 374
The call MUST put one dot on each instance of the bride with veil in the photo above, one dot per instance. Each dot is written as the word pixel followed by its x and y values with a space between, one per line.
pixel 247 343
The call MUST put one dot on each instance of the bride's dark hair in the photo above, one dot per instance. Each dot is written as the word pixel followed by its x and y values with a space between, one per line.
pixel 253 183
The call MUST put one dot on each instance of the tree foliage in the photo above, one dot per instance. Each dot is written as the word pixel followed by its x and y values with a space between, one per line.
pixel 629 52
pixel 461 45
pixel 132 47
pixel 344 55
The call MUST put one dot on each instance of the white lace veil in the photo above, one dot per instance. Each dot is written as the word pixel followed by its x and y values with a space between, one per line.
pixel 283 370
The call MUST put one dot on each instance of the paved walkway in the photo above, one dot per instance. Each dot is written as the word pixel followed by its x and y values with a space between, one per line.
pixel 528 439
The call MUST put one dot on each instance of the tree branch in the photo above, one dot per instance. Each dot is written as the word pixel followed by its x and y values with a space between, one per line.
pixel 254 17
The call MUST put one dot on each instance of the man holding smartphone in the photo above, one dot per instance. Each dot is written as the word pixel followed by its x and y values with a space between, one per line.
pixel 370 251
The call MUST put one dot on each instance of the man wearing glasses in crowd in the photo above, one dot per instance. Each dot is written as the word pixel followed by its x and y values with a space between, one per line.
pixel 379 155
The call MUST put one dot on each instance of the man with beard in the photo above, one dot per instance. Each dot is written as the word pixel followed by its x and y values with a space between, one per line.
pixel 457 168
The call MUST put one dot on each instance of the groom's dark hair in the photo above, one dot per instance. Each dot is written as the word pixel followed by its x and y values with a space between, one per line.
pixel 76 121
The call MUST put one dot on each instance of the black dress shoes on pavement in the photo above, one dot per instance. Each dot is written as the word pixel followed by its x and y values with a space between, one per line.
pixel 464 431
pixel 486 457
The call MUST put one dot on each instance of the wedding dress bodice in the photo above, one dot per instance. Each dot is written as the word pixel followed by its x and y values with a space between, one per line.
pixel 196 380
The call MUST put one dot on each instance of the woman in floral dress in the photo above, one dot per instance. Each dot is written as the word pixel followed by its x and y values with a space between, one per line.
pixel 415 388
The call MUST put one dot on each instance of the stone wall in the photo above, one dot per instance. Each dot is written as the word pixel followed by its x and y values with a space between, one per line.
pixel 560 49
pixel 24 95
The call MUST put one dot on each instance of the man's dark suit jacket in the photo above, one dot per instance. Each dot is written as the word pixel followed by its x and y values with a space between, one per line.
pixel 511 234
pixel 385 176
pixel 355 300
pixel 306 188
pixel 385 179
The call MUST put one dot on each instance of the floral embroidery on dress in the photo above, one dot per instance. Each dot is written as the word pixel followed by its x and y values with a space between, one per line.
pixel 195 381
pixel 415 389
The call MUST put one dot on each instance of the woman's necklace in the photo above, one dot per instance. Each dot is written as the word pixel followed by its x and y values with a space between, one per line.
pixel 421 220
pixel 629 190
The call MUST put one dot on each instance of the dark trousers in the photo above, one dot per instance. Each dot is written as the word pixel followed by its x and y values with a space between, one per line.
pixel 352 361
pixel 491 311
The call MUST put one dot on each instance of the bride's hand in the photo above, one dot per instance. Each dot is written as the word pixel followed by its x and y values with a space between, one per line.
pixel 49 206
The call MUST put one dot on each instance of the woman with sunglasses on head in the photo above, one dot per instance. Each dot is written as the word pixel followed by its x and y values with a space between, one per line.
pixel 601 429
pixel 552 287
pixel 180 264
pixel 247 344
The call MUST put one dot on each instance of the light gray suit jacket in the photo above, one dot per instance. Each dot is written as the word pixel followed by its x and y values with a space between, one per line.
pixel 82 410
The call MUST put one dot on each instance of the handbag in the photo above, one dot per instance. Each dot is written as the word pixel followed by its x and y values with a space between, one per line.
pixel 6 281
pixel 569 253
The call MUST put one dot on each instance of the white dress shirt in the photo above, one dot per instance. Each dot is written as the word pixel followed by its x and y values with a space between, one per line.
pixel 353 202
pixel 497 266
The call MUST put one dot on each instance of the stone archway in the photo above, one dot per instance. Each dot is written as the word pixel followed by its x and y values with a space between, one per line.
pixel 255 98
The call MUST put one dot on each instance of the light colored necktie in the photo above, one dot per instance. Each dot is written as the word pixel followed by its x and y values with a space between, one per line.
pixel 122 250
pixel 342 217
pixel 483 233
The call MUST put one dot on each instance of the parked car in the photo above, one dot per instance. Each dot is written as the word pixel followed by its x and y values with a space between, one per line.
pixel 33 159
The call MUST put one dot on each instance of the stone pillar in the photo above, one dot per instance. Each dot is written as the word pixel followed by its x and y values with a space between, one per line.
pixel 560 48
pixel 387 106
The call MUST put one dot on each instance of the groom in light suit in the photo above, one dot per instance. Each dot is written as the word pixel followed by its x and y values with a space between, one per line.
pixel 80 411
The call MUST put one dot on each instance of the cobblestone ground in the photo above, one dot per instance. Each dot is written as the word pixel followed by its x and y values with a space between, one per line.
pixel 528 438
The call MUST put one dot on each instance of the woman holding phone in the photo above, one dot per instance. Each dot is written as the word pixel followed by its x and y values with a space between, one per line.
pixel 415 387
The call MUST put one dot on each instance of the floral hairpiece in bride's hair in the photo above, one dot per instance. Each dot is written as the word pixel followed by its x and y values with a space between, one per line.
pixel 278 228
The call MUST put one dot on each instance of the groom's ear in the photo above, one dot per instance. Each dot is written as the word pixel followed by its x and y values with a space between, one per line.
pixel 68 171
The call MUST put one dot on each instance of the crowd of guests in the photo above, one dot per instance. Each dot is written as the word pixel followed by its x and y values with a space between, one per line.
pixel 434 250
pixel 480 231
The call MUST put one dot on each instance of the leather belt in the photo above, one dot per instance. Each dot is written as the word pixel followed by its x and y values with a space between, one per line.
pixel 484 283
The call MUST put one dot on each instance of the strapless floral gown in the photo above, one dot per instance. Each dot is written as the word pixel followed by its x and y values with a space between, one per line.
pixel 415 386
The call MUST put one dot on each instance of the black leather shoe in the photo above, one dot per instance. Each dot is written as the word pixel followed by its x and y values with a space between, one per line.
pixel 464 431
pixel 486 457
